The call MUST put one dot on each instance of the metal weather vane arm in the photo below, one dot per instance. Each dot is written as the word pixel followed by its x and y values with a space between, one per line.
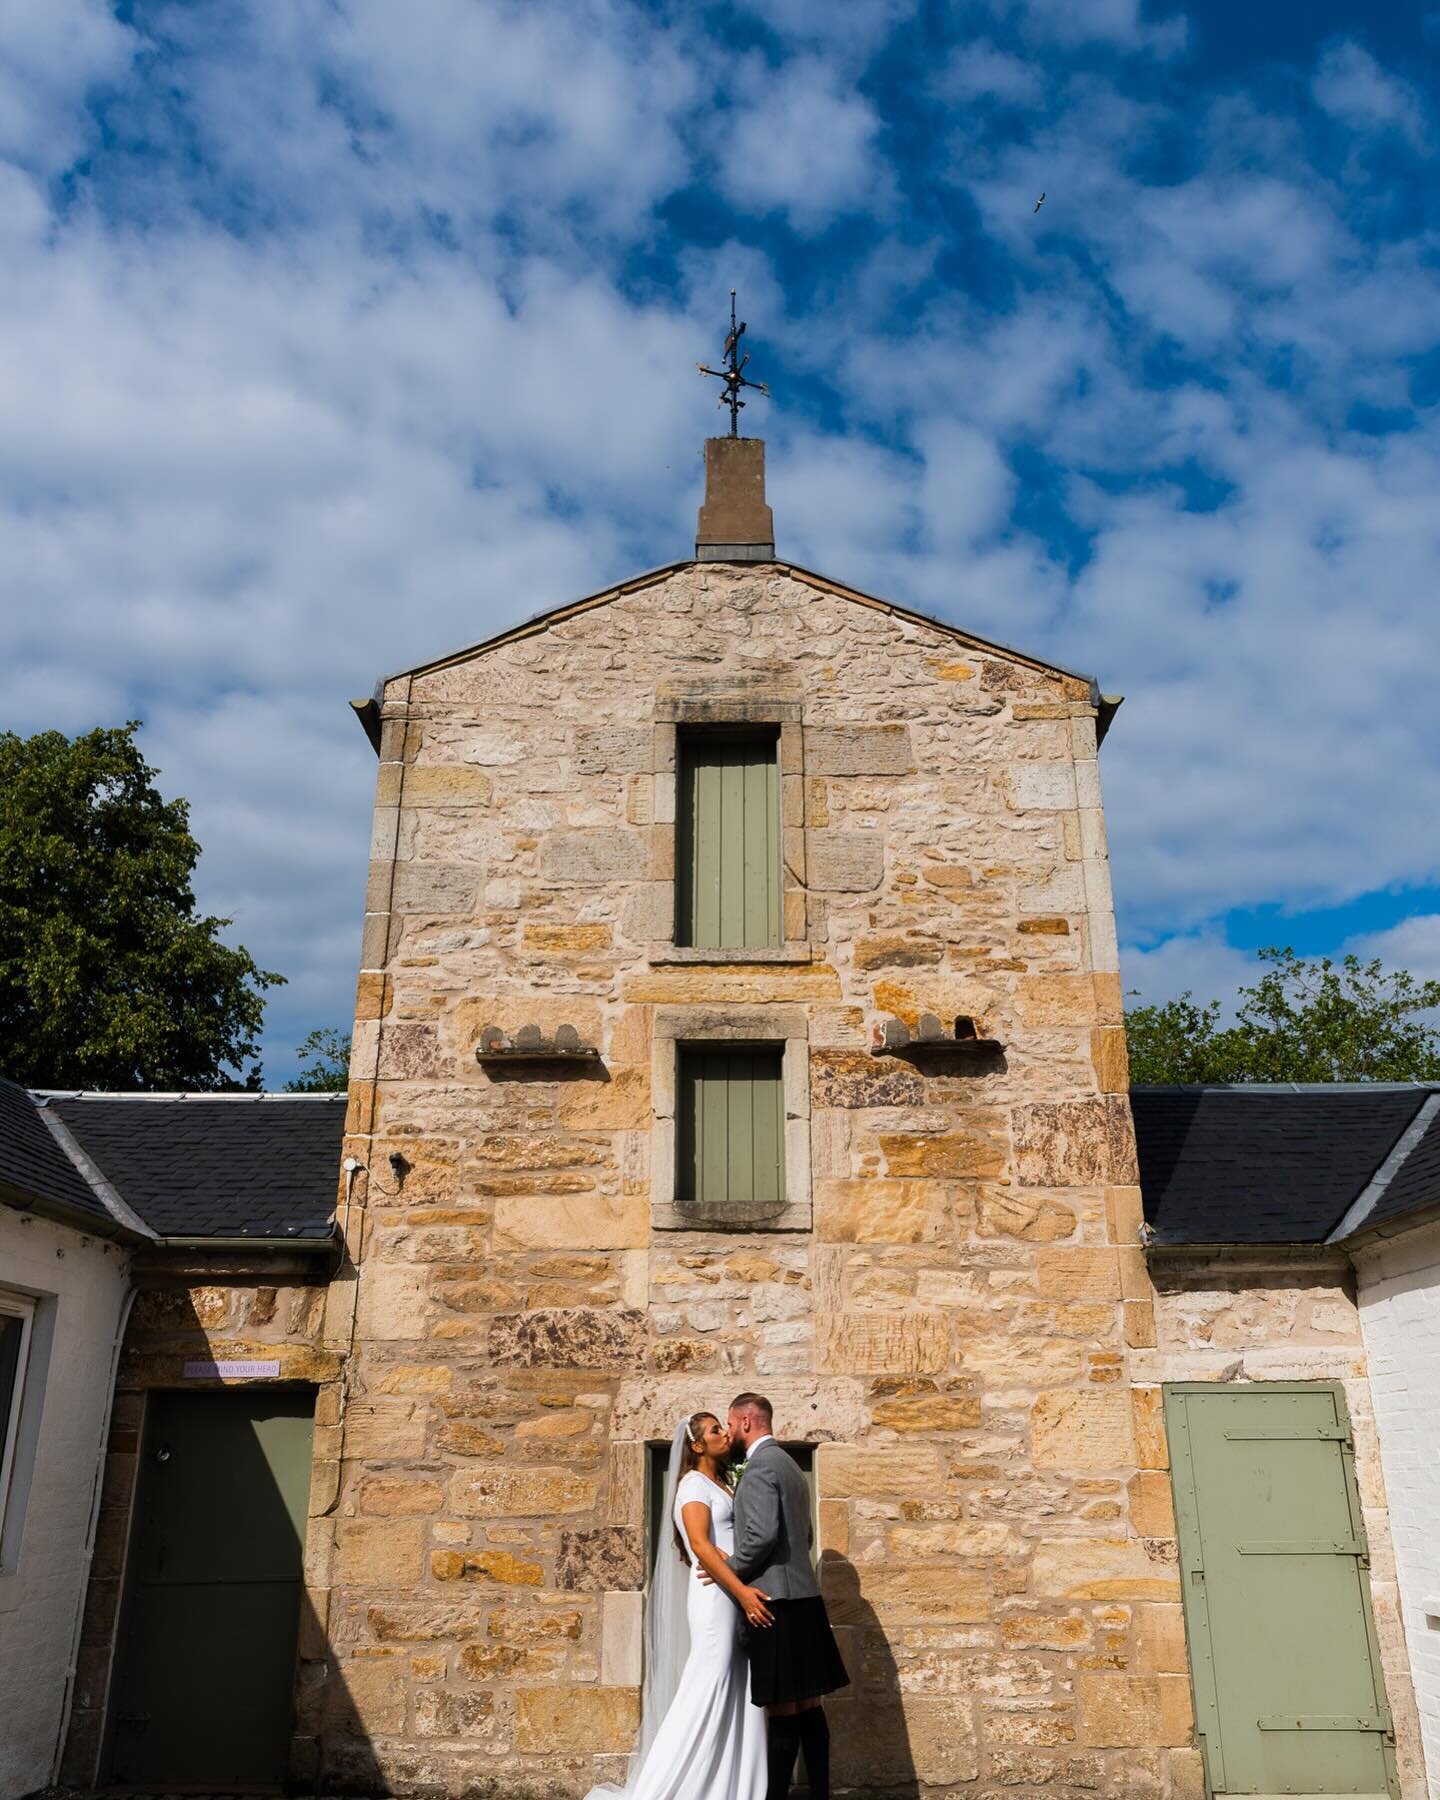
pixel 733 374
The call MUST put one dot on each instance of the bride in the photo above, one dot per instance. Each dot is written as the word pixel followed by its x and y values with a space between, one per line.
pixel 700 1738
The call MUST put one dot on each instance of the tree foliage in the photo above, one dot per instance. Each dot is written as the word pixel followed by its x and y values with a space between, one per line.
pixel 324 1063
pixel 109 977
pixel 1302 1021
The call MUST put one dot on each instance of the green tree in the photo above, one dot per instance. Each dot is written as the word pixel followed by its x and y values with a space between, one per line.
pixel 1301 1021
pixel 109 978
pixel 325 1063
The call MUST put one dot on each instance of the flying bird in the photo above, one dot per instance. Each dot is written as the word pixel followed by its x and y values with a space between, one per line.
pixel 1039 203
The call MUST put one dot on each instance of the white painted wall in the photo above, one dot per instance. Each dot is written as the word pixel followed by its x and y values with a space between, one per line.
pixel 1399 1300
pixel 81 1282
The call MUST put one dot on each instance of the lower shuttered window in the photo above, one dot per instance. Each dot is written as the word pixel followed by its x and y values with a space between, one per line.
pixel 731 1132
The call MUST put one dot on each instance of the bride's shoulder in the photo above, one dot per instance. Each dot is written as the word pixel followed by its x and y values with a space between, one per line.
pixel 694 1486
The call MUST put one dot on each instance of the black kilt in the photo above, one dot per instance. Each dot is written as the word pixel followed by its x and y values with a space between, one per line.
pixel 797 1657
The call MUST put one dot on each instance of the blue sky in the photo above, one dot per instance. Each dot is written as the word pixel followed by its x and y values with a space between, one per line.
pixel 334 335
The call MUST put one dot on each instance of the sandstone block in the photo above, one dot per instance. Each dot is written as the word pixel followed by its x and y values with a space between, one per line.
pixel 858 750
pixel 621 1103
pixel 1139 1710
pixel 1102 1569
pixel 378 1553
pixel 1042 786
pixel 622 1640
pixel 606 1559
pixel 1111 1057
pixel 1082 1430
pixel 928 1413
pixel 426 887
pixel 444 1714
pixel 369 1696
pixel 520 1493
pixel 956 1156
pixel 1152 1511
pixel 485 1565
pixel 942 1741
pixel 648 913
pixel 856 1078
pixel 524 1625
pixel 948 875
pixel 955 1537
pixel 1034 1218
pixel 614 749
pixel 572 1222
pixel 1081 1273
pixel 572 1338
pixel 1071 1143
pixel 1040 1725
pixel 383 1431
pixel 877 1211
pixel 585 858
pixel 703 986
pixel 566 940
pixel 1160 1640
pixel 444 784
pixel 856 1471
pixel 394 1302
pixel 576 1720
pixel 901 1594
pixel 400 1495
pixel 1148 1414
pixel 897 950
pixel 844 862
pixel 857 1343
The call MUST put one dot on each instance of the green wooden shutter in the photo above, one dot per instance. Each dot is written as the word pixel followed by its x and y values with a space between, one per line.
pixel 731 1148
pixel 727 854
pixel 1289 1697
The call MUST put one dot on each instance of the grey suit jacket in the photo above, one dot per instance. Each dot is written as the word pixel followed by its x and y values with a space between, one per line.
pixel 773 1538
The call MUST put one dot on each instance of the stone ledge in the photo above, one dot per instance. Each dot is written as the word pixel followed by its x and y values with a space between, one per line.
pixel 768 953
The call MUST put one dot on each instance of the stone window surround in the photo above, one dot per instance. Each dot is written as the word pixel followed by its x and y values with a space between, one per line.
pixel 676 1025
pixel 673 713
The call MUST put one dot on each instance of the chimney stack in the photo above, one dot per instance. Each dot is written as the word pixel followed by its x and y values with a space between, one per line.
pixel 735 523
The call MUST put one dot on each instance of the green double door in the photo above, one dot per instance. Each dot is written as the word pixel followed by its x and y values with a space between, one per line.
pixel 1289 1697
pixel 205 1662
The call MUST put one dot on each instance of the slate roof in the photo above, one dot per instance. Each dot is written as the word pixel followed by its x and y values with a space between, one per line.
pixel 33 1166
pixel 1279 1164
pixel 200 1165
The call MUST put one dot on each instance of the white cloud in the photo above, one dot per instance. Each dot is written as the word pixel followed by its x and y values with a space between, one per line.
pixel 1199 963
pixel 1355 89
pixel 384 364
pixel 799 140
pixel 981 71
pixel 1413 944
pixel 50 56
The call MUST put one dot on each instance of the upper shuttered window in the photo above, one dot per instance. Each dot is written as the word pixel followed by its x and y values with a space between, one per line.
pixel 727 851
pixel 731 1117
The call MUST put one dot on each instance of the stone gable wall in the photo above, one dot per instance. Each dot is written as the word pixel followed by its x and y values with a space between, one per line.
pixel 954 1325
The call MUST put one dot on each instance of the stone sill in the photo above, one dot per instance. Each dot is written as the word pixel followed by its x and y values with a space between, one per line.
pixel 770 953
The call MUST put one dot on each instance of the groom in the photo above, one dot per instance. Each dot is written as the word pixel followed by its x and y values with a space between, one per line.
pixel 796 1660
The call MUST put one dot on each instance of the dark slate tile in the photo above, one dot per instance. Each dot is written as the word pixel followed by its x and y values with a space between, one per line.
pixel 32 1162
pixel 1261 1165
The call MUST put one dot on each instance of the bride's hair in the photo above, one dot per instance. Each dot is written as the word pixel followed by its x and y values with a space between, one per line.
pixel 689 1459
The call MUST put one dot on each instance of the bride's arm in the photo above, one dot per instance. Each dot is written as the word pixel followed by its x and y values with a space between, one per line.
pixel 695 1515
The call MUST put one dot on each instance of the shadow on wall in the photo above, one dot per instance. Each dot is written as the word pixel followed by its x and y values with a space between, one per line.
pixel 869 1738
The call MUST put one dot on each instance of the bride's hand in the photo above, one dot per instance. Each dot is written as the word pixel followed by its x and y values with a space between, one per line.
pixel 752 1604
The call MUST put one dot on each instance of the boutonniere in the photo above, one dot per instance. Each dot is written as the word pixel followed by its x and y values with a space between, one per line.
pixel 736 1470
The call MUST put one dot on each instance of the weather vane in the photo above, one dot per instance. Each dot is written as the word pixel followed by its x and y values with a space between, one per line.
pixel 733 374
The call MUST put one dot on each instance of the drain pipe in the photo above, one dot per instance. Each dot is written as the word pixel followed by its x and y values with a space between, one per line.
pixel 88 1555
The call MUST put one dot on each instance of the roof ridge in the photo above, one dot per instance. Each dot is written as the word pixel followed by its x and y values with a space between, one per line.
pixel 44 1095
pixel 1368 1199
pixel 94 1176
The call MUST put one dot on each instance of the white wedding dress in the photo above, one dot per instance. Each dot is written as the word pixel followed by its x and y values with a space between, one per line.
pixel 710 1744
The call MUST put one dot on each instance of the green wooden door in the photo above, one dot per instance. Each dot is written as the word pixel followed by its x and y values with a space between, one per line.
pixel 1289 1697
pixel 731 1147
pixel 727 853
pixel 205 1663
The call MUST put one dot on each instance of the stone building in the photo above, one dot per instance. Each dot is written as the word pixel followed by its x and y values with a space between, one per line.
pixel 739 1008
pixel 660 883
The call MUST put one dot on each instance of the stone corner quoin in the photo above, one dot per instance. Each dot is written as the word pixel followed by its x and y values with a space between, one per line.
pixel 949 1309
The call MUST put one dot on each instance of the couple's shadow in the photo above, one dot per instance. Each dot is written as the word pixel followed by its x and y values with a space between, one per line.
pixel 869 1740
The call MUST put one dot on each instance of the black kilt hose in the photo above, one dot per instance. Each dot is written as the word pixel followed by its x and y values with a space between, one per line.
pixel 797 1657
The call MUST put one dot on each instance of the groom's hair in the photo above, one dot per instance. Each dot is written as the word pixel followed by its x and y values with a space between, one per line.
pixel 756 1403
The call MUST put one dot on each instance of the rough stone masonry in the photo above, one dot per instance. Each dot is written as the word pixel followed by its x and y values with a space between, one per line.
pixel 946 1309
